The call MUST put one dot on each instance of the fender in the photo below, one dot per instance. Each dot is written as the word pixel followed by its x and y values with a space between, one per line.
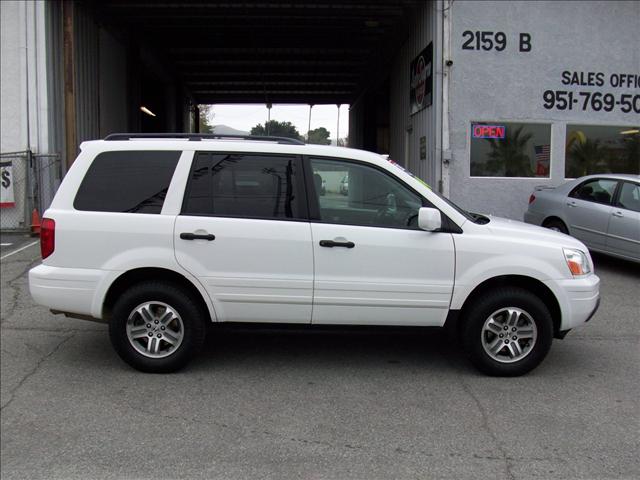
pixel 144 258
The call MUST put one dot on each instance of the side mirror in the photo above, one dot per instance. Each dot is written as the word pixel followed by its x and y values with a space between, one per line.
pixel 429 219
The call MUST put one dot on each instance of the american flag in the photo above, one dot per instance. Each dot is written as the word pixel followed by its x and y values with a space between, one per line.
pixel 543 153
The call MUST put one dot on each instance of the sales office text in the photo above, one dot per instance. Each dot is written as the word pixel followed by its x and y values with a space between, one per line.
pixel 597 79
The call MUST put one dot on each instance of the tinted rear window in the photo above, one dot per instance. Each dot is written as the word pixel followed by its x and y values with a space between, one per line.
pixel 128 181
pixel 244 185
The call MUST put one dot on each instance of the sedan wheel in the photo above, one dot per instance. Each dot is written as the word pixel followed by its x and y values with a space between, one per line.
pixel 556 225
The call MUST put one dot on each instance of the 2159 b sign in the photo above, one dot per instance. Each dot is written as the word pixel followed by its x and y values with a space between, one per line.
pixel 593 101
pixel 488 40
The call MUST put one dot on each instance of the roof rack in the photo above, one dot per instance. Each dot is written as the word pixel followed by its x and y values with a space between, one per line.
pixel 202 136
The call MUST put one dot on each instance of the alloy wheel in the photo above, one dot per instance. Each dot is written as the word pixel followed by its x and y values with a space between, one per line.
pixel 509 335
pixel 155 329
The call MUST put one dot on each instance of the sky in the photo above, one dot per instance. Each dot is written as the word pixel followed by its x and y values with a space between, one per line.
pixel 245 117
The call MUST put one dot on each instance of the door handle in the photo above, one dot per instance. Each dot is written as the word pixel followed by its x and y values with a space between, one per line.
pixel 617 214
pixel 572 204
pixel 331 244
pixel 197 236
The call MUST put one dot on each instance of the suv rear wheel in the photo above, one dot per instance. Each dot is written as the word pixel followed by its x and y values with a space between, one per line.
pixel 507 332
pixel 157 327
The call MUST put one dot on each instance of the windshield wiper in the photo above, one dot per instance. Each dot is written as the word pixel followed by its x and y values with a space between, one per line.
pixel 478 218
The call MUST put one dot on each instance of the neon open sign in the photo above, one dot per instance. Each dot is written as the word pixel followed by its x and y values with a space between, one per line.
pixel 489 131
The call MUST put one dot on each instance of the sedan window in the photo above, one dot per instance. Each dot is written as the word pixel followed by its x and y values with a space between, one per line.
pixel 630 196
pixel 599 190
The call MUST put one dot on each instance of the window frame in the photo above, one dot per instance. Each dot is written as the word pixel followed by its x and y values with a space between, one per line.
pixel 448 226
pixel 490 122
pixel 614 196
pixel 300 201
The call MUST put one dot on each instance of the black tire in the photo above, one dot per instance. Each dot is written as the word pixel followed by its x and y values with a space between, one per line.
pixel 192 317
pixel 479 312
pixel 556 224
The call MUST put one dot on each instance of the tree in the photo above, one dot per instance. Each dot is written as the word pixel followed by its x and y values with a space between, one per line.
pixel 585 157
pixel 205 113
pixel 276 129
pixel 507 156
pixel 319 136
pixel 632 149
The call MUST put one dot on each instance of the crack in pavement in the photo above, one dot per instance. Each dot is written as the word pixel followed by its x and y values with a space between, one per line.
pixel 229 427
pixel 41 361
pixel 16 290
pixel 349 446
pixel 485 420
pixel 485 425
pixel 54 330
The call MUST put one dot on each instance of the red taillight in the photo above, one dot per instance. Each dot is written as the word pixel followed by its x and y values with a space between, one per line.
pixel 532 199
pixel 47 237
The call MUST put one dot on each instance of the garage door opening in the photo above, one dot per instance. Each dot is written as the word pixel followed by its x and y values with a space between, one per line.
pixel 316 124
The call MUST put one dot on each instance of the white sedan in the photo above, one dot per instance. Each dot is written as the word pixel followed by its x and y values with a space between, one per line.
pixel 601 210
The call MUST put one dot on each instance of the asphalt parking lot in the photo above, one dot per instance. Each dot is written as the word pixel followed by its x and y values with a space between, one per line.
pixel 333 405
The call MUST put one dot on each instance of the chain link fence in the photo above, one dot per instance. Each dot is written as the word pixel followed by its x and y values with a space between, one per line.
pixel 28 181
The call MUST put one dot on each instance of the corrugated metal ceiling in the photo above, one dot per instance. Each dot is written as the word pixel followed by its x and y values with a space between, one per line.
pixel 257 51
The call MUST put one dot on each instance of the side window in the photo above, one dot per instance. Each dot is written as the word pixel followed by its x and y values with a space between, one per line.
pixel 127 181
pixel 599 190
pixel 244 185
pixel 353 194
pixel 630 196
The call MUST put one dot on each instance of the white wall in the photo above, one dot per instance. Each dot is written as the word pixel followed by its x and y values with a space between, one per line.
pixel 12 105
pixel 23 96
pixel 508 85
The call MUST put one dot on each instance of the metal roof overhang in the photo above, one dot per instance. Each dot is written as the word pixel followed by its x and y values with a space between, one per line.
pixel 297 51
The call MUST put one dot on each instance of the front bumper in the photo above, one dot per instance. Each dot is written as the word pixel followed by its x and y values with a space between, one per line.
pixel 579 299
pixel 593 312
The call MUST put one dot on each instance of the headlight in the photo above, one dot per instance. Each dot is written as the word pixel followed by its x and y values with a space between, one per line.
pixel 577 261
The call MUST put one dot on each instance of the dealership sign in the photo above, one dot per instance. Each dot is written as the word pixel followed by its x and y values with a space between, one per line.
pixel 6 182
pixel 488 131
pixel 421 80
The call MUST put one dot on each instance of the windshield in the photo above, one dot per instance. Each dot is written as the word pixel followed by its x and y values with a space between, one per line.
pixel 474 217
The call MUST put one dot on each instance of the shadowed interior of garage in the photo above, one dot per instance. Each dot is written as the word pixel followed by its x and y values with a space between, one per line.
pixel 171 56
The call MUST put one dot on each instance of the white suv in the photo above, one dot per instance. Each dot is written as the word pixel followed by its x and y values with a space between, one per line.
pixel 160 236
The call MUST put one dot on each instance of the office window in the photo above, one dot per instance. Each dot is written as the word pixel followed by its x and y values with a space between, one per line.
pixel 501 149
pixel 592 149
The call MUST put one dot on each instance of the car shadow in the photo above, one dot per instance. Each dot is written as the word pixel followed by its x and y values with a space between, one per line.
pixel 330 347
pixel 615 265
pixel 238 349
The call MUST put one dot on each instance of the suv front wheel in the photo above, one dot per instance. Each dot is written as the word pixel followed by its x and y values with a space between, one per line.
pixel 507 332
pixel 156 327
